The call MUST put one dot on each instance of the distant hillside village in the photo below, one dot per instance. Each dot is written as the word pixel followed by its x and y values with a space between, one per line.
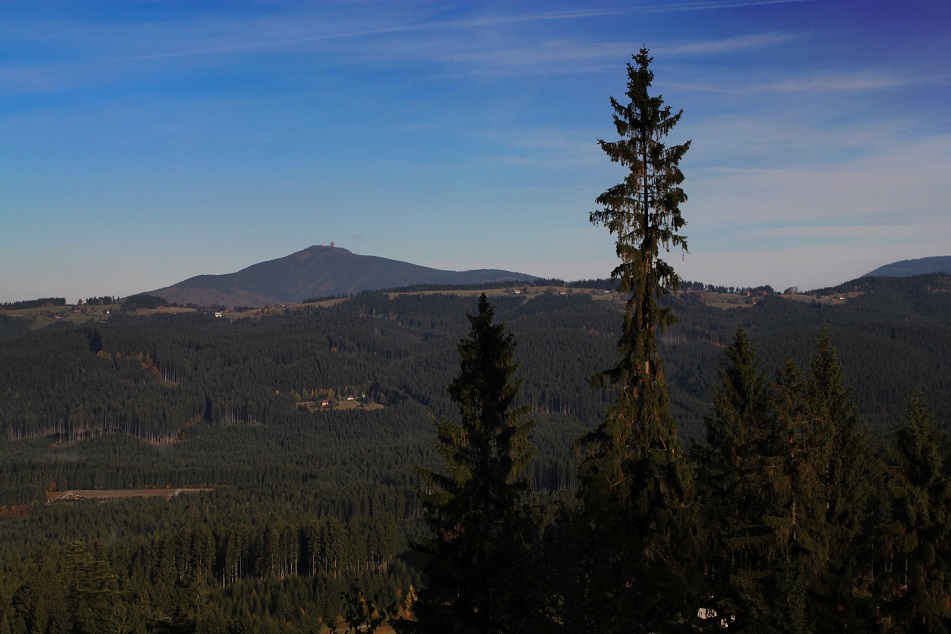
pixel 57 307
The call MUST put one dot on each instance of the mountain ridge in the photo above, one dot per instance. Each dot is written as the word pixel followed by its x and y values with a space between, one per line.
pixel 919 266
pixel 325 271
pixel 318 271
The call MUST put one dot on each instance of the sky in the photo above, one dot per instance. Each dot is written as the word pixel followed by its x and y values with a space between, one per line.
pixel 142 143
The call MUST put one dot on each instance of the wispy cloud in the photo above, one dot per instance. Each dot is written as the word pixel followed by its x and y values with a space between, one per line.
pixel 484 22
pixel 92 51
pixel 212 37
pixel 828 83
pixel 725 4
pixel 897 186
pixel 559 56
pixel 837 83
pixel 726 45
pixel 548 57
pixel 673 6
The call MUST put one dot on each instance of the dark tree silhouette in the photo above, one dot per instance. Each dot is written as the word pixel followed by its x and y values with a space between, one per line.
pixel 637 490
pixel 480 547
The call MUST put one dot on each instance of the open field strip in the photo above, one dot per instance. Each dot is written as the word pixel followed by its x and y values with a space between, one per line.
pixel 109 494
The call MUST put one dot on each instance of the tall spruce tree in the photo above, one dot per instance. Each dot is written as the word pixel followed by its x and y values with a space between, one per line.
pixel 480 563
pixel 915 587
pixel 797 455
pixel 636 488
pixel 842 595
pixel 730 483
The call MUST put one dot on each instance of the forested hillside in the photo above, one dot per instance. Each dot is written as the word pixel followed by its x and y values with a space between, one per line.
pixel 309 500
pixel 152 377
pixel 920 266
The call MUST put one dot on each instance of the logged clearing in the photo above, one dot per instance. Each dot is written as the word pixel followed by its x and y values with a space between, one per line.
pixel 111 494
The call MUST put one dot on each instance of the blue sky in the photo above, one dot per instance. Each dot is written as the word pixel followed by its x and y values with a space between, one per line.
pixel 142 143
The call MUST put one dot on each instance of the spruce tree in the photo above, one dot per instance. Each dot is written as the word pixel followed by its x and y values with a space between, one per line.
pixel 730 483
pixel 636 488
pixel 480 564
pixel 915 588
pixel 798 552
pixel 842 596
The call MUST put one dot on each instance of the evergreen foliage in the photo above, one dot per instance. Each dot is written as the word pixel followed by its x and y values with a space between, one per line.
pixel 308 504
pixel 636 486
pixel 786 485
pixel 730 475
pixel 916 586
pixel 480 553
pixel 33 303
pixel 800 545
pixel 847 479
pixel 142 300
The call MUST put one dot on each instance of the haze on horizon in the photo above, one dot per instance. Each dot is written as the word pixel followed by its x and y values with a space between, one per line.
pixel 144 143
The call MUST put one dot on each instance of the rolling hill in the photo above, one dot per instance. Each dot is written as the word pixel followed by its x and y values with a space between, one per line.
pixel 318 271
pixel 907 268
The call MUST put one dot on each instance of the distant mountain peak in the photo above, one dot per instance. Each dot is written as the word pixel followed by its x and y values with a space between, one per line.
pixel 318 271
pixel 323 248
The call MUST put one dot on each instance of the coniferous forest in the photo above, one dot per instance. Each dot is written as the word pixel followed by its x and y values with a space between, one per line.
pixel 528 460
